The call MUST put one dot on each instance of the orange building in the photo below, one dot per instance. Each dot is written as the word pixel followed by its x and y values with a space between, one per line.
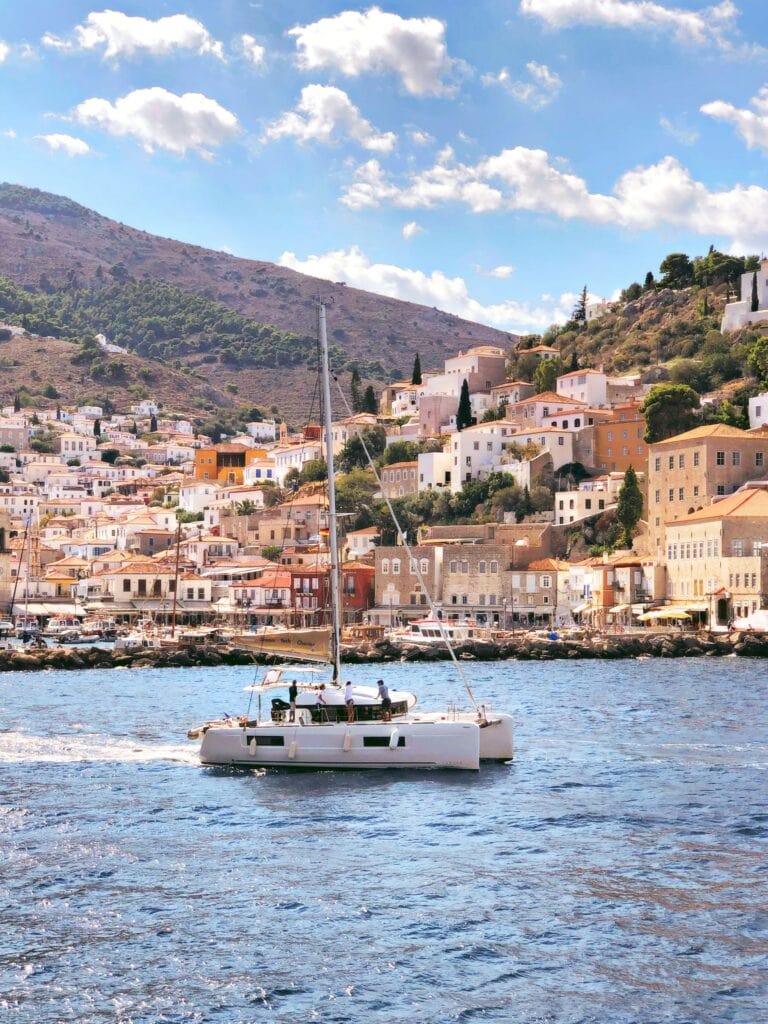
pixel 618 441
pixel 225 462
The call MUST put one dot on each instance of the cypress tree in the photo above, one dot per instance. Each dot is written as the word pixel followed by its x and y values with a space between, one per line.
pixel 416 375
pixel 464 412
pixel 369 403
pixel 354 391
pixel 97 428
pixel 574 361
pixel 755 300
pixel 630 506
pixel 579 315
pixel 16 403
pixel 152 423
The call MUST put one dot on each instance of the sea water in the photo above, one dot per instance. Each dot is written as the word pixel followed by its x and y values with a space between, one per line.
pixel 616 872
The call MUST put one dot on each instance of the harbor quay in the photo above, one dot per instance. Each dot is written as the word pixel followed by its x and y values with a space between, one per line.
pixel 751 644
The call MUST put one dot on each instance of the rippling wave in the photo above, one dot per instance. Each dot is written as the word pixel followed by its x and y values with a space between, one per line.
pixel 614 873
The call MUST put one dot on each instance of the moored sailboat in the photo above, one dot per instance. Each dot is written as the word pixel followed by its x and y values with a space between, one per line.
pixel 326 725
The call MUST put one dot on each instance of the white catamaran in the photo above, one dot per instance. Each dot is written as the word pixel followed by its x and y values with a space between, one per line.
pixel 318 729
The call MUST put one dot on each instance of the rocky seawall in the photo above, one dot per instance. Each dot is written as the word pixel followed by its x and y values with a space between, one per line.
pixel 654 645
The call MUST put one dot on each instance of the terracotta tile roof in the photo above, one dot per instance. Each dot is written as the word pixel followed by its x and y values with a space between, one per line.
pixel 751 503
pixel 701 433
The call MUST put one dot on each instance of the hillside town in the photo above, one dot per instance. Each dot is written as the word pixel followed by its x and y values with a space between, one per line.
pixel 130 517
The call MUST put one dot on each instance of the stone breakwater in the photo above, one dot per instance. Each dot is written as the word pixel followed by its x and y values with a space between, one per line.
pixel 655 645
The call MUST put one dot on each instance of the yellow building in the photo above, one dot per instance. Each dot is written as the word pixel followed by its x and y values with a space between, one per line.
pixel 225 463
pixel 689 471
pixel 717 557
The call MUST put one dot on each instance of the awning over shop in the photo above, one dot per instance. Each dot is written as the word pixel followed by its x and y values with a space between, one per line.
pixel 618 608
pixel 581 608
pixel 696 608
pixel 664 613
pixel 45 610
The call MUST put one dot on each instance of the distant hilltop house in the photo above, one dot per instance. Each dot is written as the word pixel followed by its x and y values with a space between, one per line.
pixel 741 314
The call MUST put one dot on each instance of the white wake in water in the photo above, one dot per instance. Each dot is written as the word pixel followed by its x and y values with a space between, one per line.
pixel 20 747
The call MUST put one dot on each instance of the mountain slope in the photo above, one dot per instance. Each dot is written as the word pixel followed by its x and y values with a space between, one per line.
pixel 48 242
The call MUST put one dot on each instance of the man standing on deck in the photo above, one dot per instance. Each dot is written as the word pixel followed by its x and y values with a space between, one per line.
pixel 293 692
pixel 349 700
pixel 386 702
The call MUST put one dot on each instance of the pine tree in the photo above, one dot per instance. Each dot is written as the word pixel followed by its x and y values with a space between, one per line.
pixel 464 412
pixel 416 375
pixel 629 507
pixel 354 391
pixel 755 300
pixel 369 403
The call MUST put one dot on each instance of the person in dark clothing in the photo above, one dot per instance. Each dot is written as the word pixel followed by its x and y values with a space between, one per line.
pixel 386 702
pixel 293 692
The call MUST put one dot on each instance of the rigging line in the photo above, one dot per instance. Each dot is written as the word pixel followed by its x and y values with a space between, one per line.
pixel 413 559
pixel 289 516
pixel 18 567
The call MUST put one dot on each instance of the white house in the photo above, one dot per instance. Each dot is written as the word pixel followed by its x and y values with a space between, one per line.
pixel 590 386
pixel 434 473
pixel 262 430
pixel 758 410
pixel 739 314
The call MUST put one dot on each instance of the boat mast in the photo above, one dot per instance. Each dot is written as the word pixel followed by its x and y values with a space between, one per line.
pixel 332 537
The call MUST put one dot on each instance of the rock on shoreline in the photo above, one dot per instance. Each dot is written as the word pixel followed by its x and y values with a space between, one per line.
pixel 603 647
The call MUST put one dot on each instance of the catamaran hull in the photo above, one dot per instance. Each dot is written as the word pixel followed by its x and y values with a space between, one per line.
pixel 358 746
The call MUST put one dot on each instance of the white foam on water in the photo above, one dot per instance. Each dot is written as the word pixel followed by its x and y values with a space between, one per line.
pixel 68 748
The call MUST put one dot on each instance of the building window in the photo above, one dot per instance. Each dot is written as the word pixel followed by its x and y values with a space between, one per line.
pixel 721 488
pixel 385 567
pixel 453 566
pixel 465 566
pixel 494 567
pixel 737 549
pixel 546 582
pixel 671 461
pixel 696 490
pixel 671 494
pixel 658 497
pixel 720 458
pixel 657 464
pixel 481 567
pixel 463 598
pixel 395 566
pixel 735 458
pixel 696 458
pixel 681 494
pixel 758 458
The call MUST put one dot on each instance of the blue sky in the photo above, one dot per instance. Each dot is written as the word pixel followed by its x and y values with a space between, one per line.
pixel 489 158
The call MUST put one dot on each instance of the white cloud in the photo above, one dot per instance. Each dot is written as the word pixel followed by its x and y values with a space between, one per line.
pixel 435 289
pixel 122 35
pixel 9 133
pixel 324 113
pixel 419 137
pixel 663 195
pixel 252 50
pixel 159 119
pixel 27 52
pixel 68 144
pixel 4 51
pixel 687 136
pixel 697 28
pixel 536 93
pixel 751 125
pixel 411 229
pixel 356 42
pixel 503 271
